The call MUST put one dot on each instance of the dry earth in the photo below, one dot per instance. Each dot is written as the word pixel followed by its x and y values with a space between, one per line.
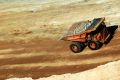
pixel 29 38
pixel 109 71
pixel 45 57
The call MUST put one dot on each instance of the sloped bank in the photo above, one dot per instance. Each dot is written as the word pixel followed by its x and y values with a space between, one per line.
pixel 110 71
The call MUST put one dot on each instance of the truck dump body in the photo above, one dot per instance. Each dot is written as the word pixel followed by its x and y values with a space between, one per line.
pixel 82 27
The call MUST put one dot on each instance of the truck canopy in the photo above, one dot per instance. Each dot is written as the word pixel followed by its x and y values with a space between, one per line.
pixel 80 27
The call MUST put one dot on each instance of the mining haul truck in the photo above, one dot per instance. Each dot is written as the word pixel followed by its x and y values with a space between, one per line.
pixel 92 33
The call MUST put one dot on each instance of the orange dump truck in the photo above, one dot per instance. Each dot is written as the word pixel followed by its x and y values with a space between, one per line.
pixel 87 33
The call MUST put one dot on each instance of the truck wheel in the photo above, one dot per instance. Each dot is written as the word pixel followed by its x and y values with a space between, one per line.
pixel 77 47
pixel 94 45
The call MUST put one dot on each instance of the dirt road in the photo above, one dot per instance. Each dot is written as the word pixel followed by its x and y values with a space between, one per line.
pixel 45 57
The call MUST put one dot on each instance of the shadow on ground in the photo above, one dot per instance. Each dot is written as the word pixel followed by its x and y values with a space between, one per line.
pixel 112 31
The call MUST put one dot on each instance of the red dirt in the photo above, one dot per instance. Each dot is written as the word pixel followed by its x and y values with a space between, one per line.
pixel 55 51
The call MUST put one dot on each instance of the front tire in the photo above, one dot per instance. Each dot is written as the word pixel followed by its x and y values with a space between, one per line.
pixel 77 47
pixel 94 45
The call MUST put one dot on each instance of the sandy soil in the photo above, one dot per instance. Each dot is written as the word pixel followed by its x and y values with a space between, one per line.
pixel 102 72
pixel 29 45
pixel 45 57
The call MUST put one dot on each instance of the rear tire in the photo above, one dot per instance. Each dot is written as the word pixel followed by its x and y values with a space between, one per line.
pixel 94 45
pixel 77 47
